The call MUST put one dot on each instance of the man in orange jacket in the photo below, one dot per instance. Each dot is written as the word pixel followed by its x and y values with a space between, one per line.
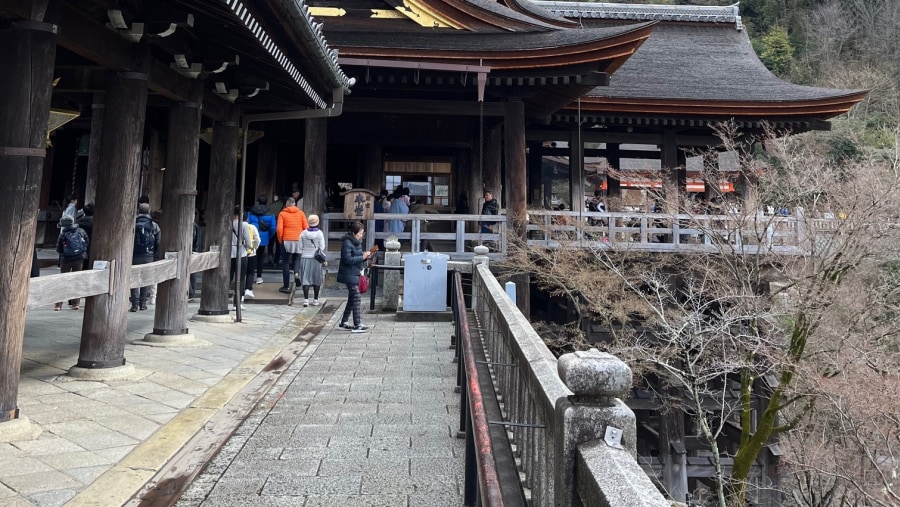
pixel 291 222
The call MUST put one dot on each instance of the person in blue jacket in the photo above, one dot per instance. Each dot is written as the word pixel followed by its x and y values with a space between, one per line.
pixel 266 224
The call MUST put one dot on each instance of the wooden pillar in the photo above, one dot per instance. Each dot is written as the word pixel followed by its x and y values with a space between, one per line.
pixel 491 173
pixel 673 453
pixel 374 166
pixel 535 175
pixel 314 163
pixel 93 164
pixel 576 170
pixel 674 176
pixel 30 48
pixel 474 184
pixel 266 169
pixel 219 213
pixel 106 315
pixel 180 180
pixel 516 188
pixel 153 185
pixel 614 161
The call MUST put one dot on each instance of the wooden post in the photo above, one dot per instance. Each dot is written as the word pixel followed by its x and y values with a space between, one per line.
pixel 535 175
pixel 673 453
pixel 266 169
pixel 674 179
pixel 93 164
pixel 180 180
pixel 105 316
pixel 491 172
pixel 614 161
pixel 516 188
pixel 219 213
pixel 374 167
pixel 314 164
pixel 576 170
pixel 153 172
pixel 30 48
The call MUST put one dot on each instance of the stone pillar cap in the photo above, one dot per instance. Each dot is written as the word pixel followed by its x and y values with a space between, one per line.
pixel 594 373
pixel 481 250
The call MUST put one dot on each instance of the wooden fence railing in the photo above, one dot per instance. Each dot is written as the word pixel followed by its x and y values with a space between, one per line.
pixel 455 235
pixel 49 289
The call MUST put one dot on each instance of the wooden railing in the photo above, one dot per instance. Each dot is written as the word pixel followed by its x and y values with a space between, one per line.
pixel 557 426
pixel 660 232
pixel 455 235
pixel 49 289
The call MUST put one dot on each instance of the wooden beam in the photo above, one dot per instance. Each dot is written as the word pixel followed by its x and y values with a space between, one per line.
pixel 423 107
pixel 85 37
pixel 605 136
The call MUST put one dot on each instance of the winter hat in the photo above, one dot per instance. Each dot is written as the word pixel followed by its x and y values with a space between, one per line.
pixel 66 221
pixel 313 220
pixel 262 199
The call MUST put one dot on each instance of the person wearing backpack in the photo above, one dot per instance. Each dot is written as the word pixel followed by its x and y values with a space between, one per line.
pixel 146 246
pixel 265 223
pixel 72 246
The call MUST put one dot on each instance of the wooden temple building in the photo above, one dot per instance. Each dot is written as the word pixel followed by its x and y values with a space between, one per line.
pixel 443 96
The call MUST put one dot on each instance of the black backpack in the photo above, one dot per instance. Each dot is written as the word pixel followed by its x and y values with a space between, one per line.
pixel 144 239
pixel 73 244
pixel 262 225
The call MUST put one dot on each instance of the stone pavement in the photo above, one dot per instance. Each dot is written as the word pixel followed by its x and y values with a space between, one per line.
pixel 363 419
pixel 356 419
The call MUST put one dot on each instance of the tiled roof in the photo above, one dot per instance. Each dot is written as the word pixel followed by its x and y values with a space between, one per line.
pixel 645 12
pixel 715 63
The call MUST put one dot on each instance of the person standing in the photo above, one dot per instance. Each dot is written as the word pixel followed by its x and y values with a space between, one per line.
pixel 72 246
pixel 312 272
pixel 275 208
pixel 399 206
pixel 291 222
pixel 490 207
pixel 252 248
pixel 353 259
pixel 239 227
pixel 266 224
pixel 85 219
pixel 146 245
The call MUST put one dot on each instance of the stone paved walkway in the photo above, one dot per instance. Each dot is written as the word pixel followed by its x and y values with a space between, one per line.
pixel 357 420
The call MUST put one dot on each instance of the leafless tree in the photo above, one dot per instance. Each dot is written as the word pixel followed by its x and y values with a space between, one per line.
pixel 742 312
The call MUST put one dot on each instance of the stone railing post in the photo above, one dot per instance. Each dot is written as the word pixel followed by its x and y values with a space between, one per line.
pixel 593 412
pixel 481 257
pixel 393 279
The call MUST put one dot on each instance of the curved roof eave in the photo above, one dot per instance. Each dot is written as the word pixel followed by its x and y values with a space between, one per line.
pixel 507 50
pixel 530 8
pixel 821 108
pixel 324 59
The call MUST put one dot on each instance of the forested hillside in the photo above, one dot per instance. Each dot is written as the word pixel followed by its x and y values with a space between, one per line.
pixel 850 44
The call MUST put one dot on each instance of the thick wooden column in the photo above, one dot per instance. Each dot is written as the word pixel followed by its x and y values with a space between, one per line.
pixel 514 155
pixel 314 163
pixel 673 453
pixel 373 179
pixel 266 170
pixel 576 170
pixel 475 182
pixel 535 175
pixel 219 213
pixel 516 188
pixel 491 173
pixel 674 177
pixel 30 49
pixel 93 164
pixel 180 180
pixel 153 172
pixel 105 316
pixel 614 161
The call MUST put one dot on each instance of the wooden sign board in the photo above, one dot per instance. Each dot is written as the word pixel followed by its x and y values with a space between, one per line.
pixel 359 204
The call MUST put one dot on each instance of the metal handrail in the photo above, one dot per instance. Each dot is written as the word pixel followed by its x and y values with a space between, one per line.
pixel 481 478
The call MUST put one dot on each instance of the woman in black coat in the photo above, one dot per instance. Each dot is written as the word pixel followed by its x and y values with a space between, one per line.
pixel 353 259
